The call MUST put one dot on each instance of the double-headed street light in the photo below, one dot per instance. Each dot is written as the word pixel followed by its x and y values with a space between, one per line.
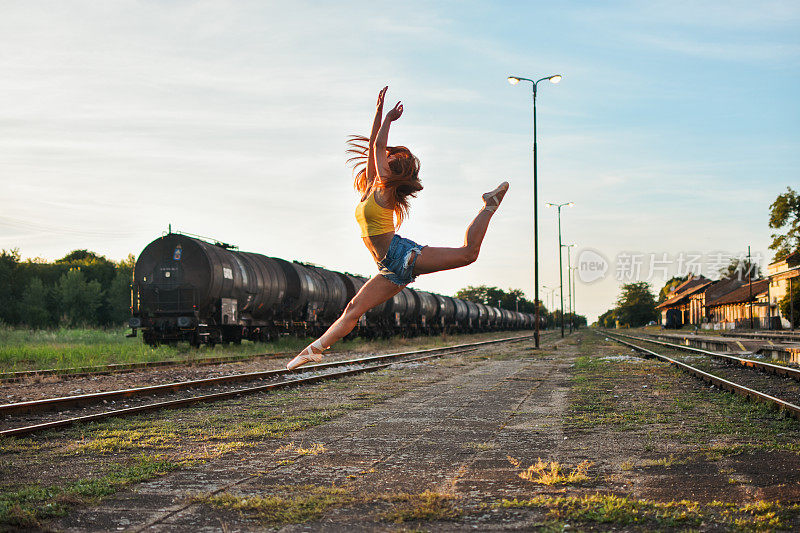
pixel 560 267
pixel 513 80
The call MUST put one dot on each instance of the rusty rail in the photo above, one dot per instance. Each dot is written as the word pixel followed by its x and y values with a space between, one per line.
pixel 730 386
pixel 779 370
pixel 382 361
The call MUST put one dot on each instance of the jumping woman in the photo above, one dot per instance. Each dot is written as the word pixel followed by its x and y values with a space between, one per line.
pixel 386 176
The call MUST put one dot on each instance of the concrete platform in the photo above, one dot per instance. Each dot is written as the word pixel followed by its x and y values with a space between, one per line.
pixel 454 436
pixel 788 352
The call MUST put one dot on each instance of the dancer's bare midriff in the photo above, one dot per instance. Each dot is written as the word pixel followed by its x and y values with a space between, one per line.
pixel 378 245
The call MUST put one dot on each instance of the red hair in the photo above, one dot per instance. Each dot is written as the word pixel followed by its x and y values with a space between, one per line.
pixel 402 182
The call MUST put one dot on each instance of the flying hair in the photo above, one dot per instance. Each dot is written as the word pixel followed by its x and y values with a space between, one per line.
pixel 402 182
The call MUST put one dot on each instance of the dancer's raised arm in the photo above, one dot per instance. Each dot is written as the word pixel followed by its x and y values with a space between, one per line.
pixel 376 125
pixel 381 141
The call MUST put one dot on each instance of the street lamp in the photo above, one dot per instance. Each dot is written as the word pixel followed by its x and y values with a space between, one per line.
pixel 551 297
pixel 550 290
pixel 574 273
pixel 560 267
pixel 569 284
pixel 513 80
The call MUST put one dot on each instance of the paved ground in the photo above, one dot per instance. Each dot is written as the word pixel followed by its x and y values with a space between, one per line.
pixel 450 437
pixel 450 447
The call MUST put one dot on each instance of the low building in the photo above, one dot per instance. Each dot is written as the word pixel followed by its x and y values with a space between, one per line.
pixel 680 298
pixel 782 276
pixel 744 307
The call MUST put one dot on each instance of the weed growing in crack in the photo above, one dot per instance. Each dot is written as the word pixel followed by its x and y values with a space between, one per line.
pixel 553 472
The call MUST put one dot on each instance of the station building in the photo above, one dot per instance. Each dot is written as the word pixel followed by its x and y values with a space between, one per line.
pixel 729 303
pixel 783 276
pixel 746 306
pixel 687 298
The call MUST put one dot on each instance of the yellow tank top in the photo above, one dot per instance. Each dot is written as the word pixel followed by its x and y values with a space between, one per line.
pixel 372 218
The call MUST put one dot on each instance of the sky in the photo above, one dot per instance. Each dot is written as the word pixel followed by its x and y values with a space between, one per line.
pixel 673 129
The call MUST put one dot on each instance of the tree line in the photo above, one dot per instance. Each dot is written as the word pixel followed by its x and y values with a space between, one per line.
pixel 514 300
pixel 81 289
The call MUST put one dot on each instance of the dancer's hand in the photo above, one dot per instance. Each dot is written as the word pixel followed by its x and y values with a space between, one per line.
pixel 380 97
pixel 395 113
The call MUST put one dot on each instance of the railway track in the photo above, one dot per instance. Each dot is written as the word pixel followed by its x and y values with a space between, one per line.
pixel 23 418
pixel 117 368
pixel 721 373
pixel 780 370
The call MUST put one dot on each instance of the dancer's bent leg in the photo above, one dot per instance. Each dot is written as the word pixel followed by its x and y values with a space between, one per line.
pixel 374 292
pixel 435 259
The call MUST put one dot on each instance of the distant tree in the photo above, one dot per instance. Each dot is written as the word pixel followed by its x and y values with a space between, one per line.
pixel 93 266
pixel 512 299
pixel 784 215
pixel 33 307
pixel 636 305
pixel 9 286
pixel 78 299
pixel 740 268
pixel 607 319
pixel 795 299
pixel 119 298
pixel 669 286
pixel 481 294
pixel 515 300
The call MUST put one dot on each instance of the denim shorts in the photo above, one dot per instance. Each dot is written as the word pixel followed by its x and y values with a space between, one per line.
pixel 398 265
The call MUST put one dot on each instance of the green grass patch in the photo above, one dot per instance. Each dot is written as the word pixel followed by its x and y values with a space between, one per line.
pixel 287 505
pixel 591 510
pixel 25 506
pixel 296 504
pixel 425 506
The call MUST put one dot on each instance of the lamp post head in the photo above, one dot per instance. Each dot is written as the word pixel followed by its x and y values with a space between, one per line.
pixel 513 80
pixel 571 204
pixel 555 78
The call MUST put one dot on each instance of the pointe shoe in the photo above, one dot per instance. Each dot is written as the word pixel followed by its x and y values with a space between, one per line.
pixel 493 198
pixel 306 356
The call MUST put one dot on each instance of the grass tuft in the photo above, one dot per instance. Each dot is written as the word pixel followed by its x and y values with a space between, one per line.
pixel 553 472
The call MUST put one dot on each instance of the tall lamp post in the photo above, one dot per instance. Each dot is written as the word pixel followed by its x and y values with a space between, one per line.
pixel 569 284
pixel 513 80
pixel 574 273
pixel 560 266
pixel 551 297
pixel 550 290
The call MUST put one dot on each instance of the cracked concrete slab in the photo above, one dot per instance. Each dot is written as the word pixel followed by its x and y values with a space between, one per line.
pixel 449 436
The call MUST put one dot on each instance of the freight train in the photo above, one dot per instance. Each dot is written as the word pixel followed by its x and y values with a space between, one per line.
pixel 187 289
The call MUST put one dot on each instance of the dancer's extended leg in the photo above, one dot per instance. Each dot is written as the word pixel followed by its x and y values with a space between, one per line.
pixel 374 292
pixel 435 259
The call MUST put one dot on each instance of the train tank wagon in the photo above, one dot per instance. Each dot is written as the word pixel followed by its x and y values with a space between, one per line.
pixel 187 289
